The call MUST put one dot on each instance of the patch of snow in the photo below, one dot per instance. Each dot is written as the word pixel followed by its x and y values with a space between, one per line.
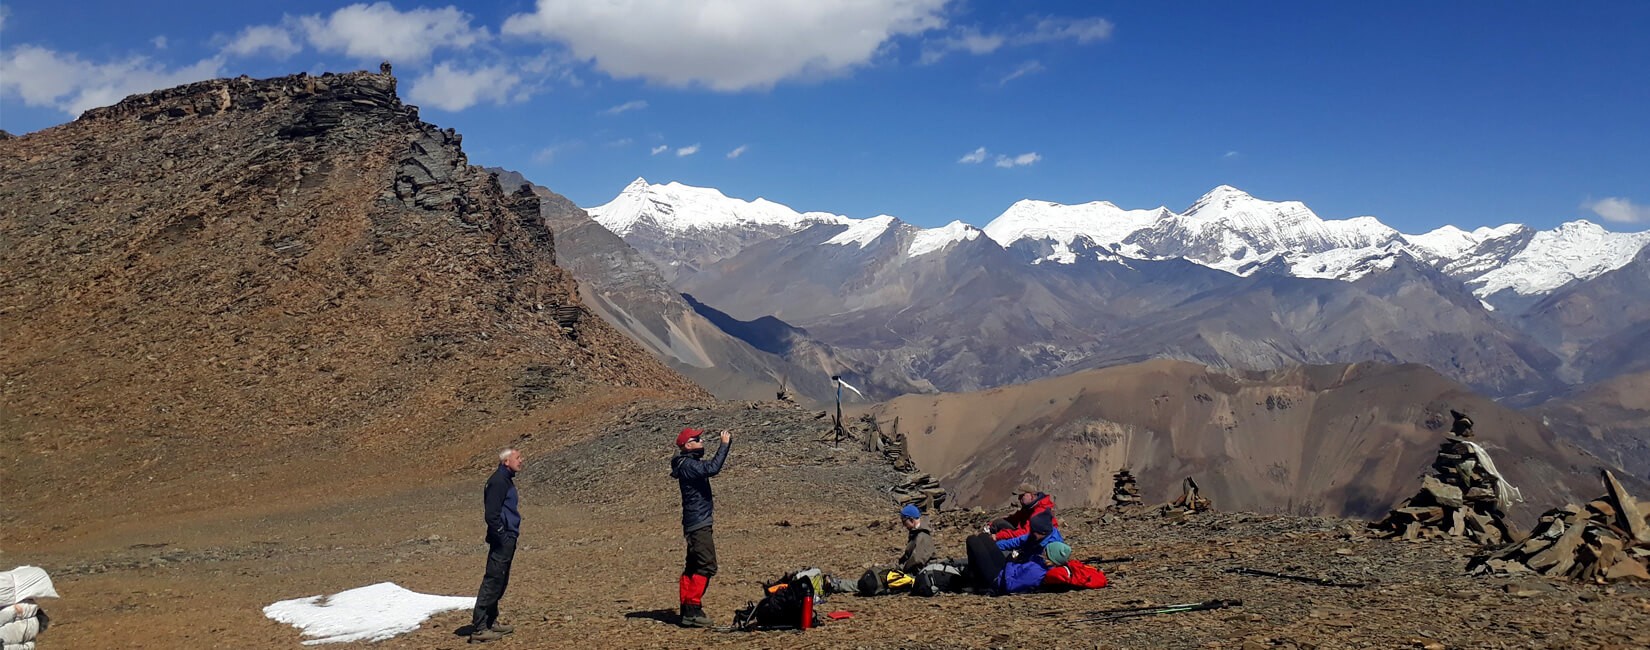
pixel 1578 250
pixel 1344 263
pixel 1060 225
pixel 371 613
pixel 936 239
pixel 1487 306
pixel 863 231
pixel 1450 243
pixel 679 209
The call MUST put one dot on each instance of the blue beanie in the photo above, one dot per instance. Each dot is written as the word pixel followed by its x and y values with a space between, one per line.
pixel 910 511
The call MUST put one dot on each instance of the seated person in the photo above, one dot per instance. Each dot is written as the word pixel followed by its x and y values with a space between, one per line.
pixel 1032 503
pixel 1013 565
pixel 919 541
pixel 1040 532
pixel 1066 574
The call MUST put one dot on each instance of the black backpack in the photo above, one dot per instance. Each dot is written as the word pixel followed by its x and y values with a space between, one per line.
pixel 938 578
pixel 781 608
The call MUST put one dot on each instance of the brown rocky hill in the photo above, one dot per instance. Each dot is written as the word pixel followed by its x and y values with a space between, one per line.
pixel 1344 440
pixel 1610 418
pixel 267 279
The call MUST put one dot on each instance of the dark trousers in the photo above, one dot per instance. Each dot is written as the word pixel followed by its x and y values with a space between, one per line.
pixel 985 561
pixel 701 553
pixel 501 549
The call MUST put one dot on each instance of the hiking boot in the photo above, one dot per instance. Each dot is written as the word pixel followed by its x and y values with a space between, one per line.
pixel 483 636
pixel 503 628
pixel 694 616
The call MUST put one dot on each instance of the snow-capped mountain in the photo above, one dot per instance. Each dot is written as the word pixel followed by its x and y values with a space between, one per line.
pixel 1227 229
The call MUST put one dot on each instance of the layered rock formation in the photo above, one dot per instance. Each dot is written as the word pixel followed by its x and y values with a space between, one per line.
pixel 233 266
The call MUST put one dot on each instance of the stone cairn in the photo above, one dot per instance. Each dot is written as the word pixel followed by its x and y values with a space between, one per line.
pixel 1465 496
pixel 921 490
pixel 1188 502
pixel 918 489
pixel 1124 493
pixel 1605 541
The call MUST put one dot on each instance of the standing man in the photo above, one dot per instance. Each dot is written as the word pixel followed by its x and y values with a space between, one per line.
pixel 503 525
pixel 692 473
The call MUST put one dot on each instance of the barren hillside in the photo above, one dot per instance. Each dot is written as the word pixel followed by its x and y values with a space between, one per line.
pixel 1344 440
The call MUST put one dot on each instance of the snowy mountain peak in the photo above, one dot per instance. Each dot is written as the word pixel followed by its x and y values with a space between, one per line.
pixel 677 208
pixel 938 239
pixel 864 231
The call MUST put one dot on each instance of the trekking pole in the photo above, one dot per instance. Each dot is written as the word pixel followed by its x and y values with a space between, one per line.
pixel 1111 615
pixel 1322 582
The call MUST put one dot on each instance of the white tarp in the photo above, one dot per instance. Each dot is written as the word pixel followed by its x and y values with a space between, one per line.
pixel 23 583
pixel 1505 493
pixel 370 613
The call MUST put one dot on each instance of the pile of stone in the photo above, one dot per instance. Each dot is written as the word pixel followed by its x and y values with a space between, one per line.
pixel 1124 493
pixel 1604 541
pixel 1464 497
pixel 1188 502
pixel 567 316
pixel 921 490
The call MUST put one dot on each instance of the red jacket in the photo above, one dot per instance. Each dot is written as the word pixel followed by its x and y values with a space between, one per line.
pixel 1074 575
pixel 1021 519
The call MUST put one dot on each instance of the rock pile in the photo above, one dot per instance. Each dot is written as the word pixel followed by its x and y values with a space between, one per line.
pixel 1189 501
pixel 1124 493
pixel 922 490
pixel 1465 496
pixel 1604 541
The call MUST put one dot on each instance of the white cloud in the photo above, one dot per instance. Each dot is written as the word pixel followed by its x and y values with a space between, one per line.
pixel 259 39
pixel 688 150
pixel 738 151
pixel 4 12
pixel 1082 30
pixel 64 81
pixel 379 30
pixel 1231 154
pixel 967 39
pixel 1618 209
pixel 1029 67
pixel 1047 30
pixel 659 150
pixel 632 105
pixel 549 153
pixel 450 88
pixel 1018 161
pixel 621 142
pixel 159 42
pixel 728 45
pixel 972 157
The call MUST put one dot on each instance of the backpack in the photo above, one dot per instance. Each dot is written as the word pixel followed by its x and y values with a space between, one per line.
pixel 785 603
pixel 878 581
pixel 938 578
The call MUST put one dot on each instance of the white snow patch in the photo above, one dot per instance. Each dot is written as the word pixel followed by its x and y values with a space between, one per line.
pixel 863 231
pixel 370 613
pixel 936 239
pixel 1578 250
pixel 679 209
pixel 1487 306
pixel 1100 221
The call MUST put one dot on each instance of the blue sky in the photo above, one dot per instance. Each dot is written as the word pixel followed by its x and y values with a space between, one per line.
pixel 1471 113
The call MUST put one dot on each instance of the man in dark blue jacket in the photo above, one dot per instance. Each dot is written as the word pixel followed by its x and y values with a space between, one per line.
pixel 503 525
pixel 692 473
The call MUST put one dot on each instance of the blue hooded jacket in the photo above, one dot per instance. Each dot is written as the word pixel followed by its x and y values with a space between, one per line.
pixel 1021 577
pixel 1025 546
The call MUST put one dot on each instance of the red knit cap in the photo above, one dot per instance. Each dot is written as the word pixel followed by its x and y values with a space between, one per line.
pixel 686 435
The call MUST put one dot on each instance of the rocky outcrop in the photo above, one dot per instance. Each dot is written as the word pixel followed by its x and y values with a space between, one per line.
pixel 297 261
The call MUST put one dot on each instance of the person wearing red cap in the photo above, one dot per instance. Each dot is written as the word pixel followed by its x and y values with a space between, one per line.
pixel 692 473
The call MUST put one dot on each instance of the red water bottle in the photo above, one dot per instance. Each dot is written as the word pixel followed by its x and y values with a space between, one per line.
pixel 807 612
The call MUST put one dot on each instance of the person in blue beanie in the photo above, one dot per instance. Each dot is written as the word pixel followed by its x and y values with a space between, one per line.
pixel 919 541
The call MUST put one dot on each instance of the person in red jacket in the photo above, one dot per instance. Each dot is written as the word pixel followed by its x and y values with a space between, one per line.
pixel 1065 574
pixel 1032 503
